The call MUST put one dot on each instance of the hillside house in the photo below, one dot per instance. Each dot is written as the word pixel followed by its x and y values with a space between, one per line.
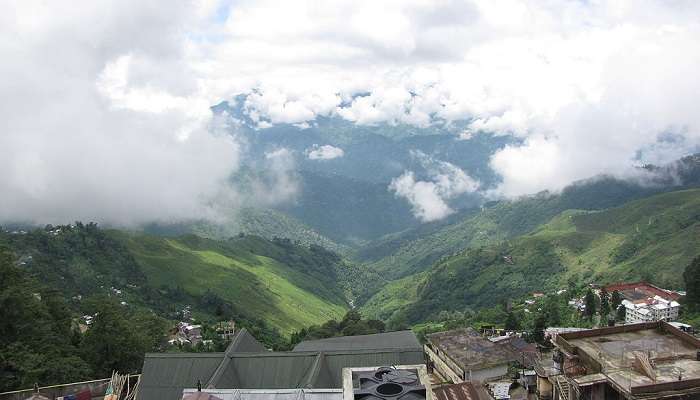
pixel 645 302
pixel 226 330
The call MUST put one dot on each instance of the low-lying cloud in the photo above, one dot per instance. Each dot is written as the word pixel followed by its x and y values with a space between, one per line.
pixel 429 198
pixel 325 152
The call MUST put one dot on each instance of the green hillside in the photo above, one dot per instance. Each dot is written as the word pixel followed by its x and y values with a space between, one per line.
pixel 264 222
pixel 652 239
pixel 416 249
pixel 264 284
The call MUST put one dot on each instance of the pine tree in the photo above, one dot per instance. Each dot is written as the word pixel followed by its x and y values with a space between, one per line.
pixel 512 322
pixel 604 304
pixel 589 301
pixel 538 329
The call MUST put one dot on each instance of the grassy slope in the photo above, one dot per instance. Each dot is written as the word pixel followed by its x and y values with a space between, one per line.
pixel 394 296
pixel 416 249
pixel 651 239
pixel 260 285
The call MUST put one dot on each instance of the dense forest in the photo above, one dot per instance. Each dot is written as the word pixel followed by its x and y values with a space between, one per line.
pixel 41 340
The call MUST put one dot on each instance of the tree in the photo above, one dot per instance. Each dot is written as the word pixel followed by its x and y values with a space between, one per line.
pixel 589 301
pixel 113 342
pixel 512 322
pixel 537 333
pixel 691 277
pixel 552 310
pixel 616 300
pixel 621 314
pixel 36 340
pixel 571 284
pixel 604 304
pixel 351 317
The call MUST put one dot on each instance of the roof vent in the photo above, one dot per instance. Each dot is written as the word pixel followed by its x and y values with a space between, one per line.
pixel 389 383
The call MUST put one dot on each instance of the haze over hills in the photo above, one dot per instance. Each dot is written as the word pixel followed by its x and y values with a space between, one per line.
pixel 343 171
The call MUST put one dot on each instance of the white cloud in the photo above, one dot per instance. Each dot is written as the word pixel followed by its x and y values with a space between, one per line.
pixel 587 84
pixel 325 152
pixel 429 198
pixel 105 104
pixel 278 182
pixel 102 120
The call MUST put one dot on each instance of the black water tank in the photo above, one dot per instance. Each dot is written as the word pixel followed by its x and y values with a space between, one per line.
pixel 389 383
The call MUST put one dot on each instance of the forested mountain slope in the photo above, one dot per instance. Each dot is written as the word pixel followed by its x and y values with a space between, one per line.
pixel 264 222
pixel 651 239
pixel 262 283
pixel 415 250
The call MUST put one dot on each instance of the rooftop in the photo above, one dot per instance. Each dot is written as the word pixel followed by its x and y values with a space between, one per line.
pixel 638 358
pixel 268 394
pixel 462 391
pixel 471 351
pixel 388 340
pixel 166 375
pixel 641 291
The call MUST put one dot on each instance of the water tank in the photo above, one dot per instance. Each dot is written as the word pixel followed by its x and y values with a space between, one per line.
pixel 389 383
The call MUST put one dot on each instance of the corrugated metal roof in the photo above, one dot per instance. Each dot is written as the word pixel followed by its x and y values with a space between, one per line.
pixel 280 394
pixel 387 340
pixel 165 375
pixel 267 371
pixel 244 342
pixel 335 362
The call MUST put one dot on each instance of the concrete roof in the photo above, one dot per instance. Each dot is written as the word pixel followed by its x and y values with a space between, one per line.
pixel 614 352
pixel 471 351
pixel 267 394
pixel 462 391
pixel 387 340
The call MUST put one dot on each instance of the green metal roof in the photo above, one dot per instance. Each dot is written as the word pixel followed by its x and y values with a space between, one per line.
pixel 244 342
pixel 166 375
pixel 378 341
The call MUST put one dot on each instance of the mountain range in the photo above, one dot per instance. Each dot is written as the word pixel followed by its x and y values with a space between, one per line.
pixel 346 240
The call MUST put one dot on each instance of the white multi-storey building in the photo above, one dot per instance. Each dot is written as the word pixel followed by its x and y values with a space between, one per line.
pixel 653 309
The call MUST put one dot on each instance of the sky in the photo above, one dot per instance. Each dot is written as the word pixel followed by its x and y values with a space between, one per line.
pixel 105 104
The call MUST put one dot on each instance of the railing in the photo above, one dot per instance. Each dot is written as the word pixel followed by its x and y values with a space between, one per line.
pixel 563 387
